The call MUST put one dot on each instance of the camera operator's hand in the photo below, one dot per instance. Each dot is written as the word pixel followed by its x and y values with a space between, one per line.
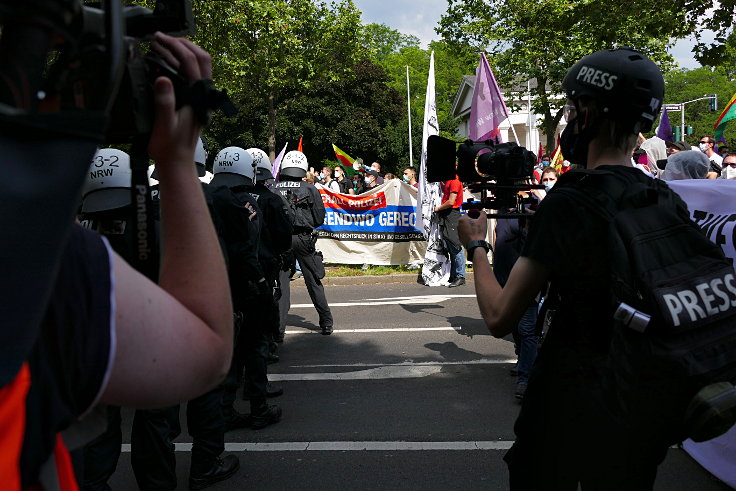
pixel 175 133
pixel 472 228
pixel 174 339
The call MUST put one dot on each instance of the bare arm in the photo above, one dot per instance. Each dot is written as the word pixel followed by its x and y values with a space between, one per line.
pixel 501 308
pixel 174 341
pixel 447 204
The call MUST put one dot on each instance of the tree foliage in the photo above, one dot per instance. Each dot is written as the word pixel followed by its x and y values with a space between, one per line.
pixel 686 85
pixel 277 48
pixel 541 39
pixel 717 17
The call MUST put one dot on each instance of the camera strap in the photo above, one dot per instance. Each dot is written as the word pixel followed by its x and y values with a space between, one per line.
pixel 145 246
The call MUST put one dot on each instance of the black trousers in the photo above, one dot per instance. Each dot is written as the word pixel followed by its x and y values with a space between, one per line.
pixel 152 450
pixel 249 356
pixel 313 271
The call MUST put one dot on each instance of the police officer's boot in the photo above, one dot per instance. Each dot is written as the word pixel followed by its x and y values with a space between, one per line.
pixel 207 471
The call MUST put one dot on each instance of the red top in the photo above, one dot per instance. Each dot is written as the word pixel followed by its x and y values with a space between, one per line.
pixel 453 186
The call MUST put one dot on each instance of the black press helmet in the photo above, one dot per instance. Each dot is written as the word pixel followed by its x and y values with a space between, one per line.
pixel 627 86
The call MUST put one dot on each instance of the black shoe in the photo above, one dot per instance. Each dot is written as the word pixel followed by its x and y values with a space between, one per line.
pixel 326 330
pixel 268 416
pixel 272 358
pixel 460 280
pixel 279 339
pixel 236 422
pixel 220 470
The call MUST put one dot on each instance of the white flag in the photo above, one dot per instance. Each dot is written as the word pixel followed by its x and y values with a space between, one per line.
pixel 436 268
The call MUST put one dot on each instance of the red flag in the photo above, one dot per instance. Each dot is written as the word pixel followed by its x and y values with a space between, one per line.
pixel 539 153
pixel 299 147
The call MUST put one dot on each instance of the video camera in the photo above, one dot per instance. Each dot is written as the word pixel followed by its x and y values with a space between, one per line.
pixel 92 60
pixel 499 171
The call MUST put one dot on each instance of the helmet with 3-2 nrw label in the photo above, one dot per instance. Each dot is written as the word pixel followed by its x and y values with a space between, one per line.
pixel 627 86
pixel 262 163
pixel 233 167
pixel 294 164
pixel 107 185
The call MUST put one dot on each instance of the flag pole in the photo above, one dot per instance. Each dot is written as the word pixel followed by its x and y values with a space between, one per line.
pixel 408 109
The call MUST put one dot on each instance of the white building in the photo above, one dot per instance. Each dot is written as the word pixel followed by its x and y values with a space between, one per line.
pixel 527 127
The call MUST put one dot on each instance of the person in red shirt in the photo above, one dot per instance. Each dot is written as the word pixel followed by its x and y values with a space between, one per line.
pixel 449 215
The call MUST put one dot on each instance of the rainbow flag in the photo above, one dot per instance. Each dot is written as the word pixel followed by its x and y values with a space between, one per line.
pixel 346 161
pixel 728 114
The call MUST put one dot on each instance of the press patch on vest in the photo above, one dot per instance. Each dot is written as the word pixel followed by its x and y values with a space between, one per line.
pixel 705 298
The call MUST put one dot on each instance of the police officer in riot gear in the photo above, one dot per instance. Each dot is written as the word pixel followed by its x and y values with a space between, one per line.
pixel 233 183
pixel 275 242
pixel 309 213
pixel 106 209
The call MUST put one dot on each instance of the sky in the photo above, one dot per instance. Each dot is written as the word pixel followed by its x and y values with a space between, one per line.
pixel 419 18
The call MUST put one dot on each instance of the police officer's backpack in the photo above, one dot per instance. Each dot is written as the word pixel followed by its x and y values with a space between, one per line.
pixel 672 360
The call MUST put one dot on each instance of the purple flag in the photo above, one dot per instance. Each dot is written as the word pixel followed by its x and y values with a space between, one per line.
pixel 664 130
pixel 277 163
pixel 488 110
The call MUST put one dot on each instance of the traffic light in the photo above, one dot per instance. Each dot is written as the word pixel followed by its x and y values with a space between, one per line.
pixel 688 130
pixel 713 102
pixel 676 131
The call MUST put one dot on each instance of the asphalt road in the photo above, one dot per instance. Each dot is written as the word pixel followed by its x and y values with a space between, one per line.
pixel 410 392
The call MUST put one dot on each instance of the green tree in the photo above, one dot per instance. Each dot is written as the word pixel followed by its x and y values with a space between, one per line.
pixel 541 39
pixel 686 85
pixel 380 40
pixel 277 47
pixel 452 61
pixel 715 17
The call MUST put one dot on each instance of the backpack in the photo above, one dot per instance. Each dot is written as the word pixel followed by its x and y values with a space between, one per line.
pixel 672 360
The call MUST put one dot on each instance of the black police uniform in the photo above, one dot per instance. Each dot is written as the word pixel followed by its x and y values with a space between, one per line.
pixel 309 213
pixel 275 242
pixel 242 228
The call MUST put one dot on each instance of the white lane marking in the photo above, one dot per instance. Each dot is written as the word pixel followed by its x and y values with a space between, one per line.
pixel 370 374
pixel 421 299
pixel 349 446
pixel 388 329
pixel 482 361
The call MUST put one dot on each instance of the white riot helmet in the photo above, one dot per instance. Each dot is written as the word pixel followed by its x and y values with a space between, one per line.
pixel 233 167
pixel 200 157
pixel 107 185
pixel 294 165
pixel 262 163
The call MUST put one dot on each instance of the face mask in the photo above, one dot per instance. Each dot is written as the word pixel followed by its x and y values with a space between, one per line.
pixel 367 181
pixel 338 175
pixel 729 172
pixel 548 185
pixel 321 176
pixel 545 163
pixel 575 146
pixel 406 179
pixel 703 146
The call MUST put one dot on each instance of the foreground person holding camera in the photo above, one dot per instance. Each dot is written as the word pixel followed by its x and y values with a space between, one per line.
pixel 580 422
pixel 109 334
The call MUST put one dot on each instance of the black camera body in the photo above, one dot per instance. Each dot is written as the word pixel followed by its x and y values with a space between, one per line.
pixel 497 170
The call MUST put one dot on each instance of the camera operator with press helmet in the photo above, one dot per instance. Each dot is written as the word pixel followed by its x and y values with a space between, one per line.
pixel 275 242
pixel 125 361
pixel 309 213
pixel 232 184
pixel 565 432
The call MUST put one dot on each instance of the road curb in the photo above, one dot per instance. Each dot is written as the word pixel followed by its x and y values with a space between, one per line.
pixel 370 280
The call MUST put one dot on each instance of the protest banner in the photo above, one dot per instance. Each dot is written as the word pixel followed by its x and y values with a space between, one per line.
pixel 377 227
